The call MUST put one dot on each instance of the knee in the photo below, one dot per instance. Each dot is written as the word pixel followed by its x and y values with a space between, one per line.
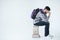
pixel 47 23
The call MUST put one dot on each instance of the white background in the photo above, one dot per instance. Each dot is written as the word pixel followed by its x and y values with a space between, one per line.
pixel 16 22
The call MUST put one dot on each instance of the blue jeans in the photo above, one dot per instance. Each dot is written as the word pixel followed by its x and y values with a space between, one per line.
pixel 41 23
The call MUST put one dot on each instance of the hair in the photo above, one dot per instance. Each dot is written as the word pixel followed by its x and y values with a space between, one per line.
pixel 48 8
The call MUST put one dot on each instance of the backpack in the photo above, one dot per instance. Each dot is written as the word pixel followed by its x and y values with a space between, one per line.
pixel 34 13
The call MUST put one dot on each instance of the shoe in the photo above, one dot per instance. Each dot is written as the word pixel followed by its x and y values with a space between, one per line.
pixel 50 36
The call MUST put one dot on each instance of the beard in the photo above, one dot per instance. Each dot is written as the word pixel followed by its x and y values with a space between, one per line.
pixel 45 12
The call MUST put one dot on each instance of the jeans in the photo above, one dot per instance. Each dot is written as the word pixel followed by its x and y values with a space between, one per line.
pixel 41 23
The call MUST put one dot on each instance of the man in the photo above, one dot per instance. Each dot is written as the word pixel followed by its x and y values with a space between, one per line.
pixel 40 20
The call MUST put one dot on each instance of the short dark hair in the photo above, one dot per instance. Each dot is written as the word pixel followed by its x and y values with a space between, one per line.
pixel 48 8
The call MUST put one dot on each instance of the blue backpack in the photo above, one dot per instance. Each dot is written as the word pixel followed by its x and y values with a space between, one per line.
pixel 34 13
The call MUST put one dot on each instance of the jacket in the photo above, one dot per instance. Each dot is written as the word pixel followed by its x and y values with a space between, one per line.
pixel 41 16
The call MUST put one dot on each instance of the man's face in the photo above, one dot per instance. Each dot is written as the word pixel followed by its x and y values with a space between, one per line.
pixel 46 11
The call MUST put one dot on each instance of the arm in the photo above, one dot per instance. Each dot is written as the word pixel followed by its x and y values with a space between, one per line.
pixel 49 14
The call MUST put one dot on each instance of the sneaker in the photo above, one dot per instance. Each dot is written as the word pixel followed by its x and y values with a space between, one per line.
pixel 50 36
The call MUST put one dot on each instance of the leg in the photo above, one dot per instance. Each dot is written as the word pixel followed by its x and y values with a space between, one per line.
pixel 47 29
pixel 46 26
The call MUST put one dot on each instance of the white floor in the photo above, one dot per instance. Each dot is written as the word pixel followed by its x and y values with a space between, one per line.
pixel 16 22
